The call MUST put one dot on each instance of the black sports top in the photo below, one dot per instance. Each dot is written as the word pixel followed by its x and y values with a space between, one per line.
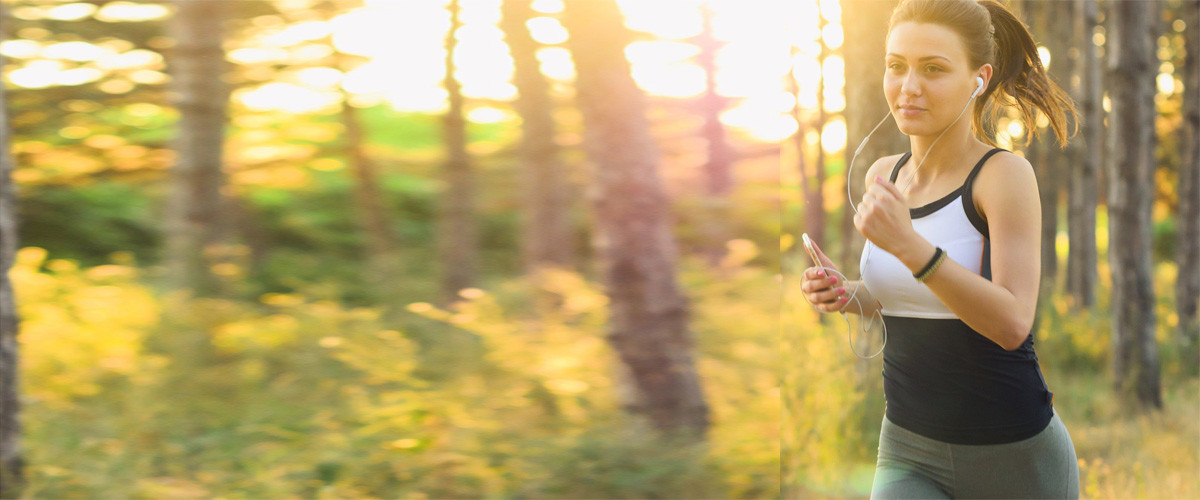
pixel 941 378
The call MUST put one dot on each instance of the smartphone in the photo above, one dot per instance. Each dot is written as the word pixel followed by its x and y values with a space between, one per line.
pixel 812 251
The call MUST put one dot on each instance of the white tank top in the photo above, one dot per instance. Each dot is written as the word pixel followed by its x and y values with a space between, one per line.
pixel 951 223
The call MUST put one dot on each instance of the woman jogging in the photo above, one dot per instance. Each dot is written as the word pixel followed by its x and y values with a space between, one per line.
pixel 953 231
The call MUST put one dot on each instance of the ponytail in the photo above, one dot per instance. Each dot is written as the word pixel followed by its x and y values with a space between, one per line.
pixel 1021 80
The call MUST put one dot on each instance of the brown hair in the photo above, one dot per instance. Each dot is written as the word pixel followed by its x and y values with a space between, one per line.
pixel 992 34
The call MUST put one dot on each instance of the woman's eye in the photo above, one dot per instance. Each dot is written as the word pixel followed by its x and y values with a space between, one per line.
pixel 893 66
pixel 932 68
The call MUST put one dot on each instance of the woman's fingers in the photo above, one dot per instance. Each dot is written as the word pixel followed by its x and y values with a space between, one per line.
pixel 824 258
pixel 825 292
pixel 884 186
pixel 828 296
pixel 816 279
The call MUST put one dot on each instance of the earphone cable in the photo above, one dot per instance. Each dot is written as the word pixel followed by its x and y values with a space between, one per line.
pixel 876 314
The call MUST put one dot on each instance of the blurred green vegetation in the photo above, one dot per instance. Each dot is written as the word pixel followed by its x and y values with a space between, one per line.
pixel 302 380
pixel 131 393
pixel 292 206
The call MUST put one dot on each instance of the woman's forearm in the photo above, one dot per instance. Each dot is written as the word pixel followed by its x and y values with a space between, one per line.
pixel 862 303
pixel 962 291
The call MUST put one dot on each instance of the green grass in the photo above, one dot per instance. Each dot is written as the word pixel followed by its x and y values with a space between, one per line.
pixel 1132 455
pixel 133 394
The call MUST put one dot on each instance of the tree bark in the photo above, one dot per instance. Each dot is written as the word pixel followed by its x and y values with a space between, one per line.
pixel 1045 161
pixel 12 476
pixel 718 168
pixel 383 262
pixel 457 232
pixel 193 225
pixel 634 244
pixel 1082 256
pixel 382 271
pixel 811 182
pixel 1187 285
pixel 1046 157
pixel 864 27
pixel 1132 68
pixel 546 238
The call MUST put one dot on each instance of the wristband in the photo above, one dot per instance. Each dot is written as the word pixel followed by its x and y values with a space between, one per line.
pixel 938 256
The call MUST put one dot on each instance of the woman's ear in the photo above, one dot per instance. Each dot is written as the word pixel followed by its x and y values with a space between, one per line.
pixel 985 72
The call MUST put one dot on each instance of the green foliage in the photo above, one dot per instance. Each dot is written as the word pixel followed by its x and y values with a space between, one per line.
pixel 833 407
pixel 89 222
pixel 509 393
pixel 1164 240
pixel 612 463
pixel 1077 339
pixel 316 239
pixel 744 214
pixel 1147 455
pixel 419 131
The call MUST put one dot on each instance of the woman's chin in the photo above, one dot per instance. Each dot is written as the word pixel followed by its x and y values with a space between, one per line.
pixel 911 127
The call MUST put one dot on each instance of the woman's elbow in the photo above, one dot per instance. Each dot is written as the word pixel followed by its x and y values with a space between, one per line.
pixel 1014 336
pixel 1015 343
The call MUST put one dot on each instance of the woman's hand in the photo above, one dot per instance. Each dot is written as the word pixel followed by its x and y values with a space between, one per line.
pixel 883 218
pixel 825 291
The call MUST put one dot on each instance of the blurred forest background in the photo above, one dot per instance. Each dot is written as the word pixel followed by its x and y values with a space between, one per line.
pixel 1116 331
pixel 394 248
pixel 524 248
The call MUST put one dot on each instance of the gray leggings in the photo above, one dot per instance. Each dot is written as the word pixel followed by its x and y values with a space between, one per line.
pixel 914 466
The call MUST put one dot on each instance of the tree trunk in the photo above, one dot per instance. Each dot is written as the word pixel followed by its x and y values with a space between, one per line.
pixel 811 182
pixel 1082 257
pixel 1187 285
pixel 11 471
pixel 637 254
pixel 383 262
pixel 1044 154
pixel 457 239
pixel 546 238
pixel 251 232
pixel 718 174
pixel 799 140
pixel 193 223
pixel 1045 165
pixel 864 26
pixel 1132 67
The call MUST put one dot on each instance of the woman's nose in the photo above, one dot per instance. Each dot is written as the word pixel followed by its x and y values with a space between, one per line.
pixel 910 84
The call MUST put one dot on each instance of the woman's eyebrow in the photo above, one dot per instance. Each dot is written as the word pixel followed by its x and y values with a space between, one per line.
pixel 900 57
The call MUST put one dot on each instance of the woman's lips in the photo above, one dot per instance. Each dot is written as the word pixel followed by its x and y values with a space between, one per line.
pixel 909 112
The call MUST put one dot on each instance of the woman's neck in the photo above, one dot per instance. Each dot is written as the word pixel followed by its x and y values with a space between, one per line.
pixel 946 156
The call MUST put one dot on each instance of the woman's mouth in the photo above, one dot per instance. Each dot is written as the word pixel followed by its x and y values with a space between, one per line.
pixel 910 111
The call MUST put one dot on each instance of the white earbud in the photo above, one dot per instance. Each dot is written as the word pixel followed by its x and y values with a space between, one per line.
pixel 978 87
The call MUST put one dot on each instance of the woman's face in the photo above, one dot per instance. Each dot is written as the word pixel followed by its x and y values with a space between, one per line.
pixel 928 78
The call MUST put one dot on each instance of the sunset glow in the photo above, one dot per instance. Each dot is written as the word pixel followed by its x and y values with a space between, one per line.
pixel 752 63
pixel 808 69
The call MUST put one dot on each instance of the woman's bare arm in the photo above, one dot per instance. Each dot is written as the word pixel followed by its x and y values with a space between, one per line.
pixel 863 303
pixel 1001 309
pixel 829 293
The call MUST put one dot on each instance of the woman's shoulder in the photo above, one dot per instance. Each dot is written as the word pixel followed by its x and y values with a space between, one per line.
pixel 883 167
pixel 1004 179
pixel 1006 169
